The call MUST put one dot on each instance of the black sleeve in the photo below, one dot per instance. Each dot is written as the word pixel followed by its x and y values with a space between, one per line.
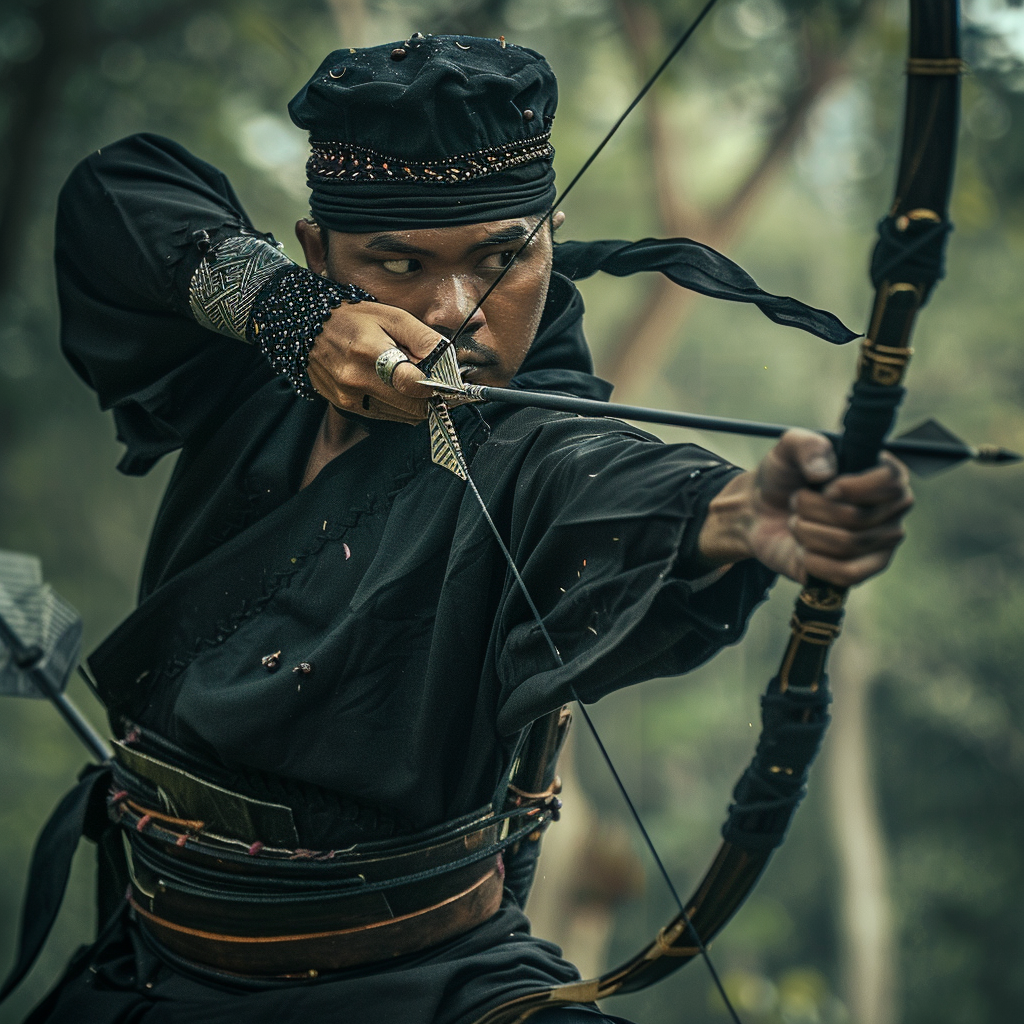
pixel 604 531
pixel 133 222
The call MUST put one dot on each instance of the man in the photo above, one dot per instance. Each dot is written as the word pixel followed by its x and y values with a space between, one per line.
pixel 323 701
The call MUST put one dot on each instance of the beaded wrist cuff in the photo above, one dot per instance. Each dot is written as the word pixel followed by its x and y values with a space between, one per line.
pixel 224 286
pixel 288 314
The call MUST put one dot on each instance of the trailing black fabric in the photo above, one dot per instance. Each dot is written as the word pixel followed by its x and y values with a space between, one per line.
pixel 78 813
pixel 701 269
pixel 775 782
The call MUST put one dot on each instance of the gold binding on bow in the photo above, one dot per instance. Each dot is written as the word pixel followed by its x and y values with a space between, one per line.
pixel 936 66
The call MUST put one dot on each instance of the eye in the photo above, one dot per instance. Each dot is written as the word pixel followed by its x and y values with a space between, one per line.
pixel 499 260
pixel 400 266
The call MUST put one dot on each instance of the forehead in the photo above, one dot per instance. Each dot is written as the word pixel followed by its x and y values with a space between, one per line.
pixel 455 240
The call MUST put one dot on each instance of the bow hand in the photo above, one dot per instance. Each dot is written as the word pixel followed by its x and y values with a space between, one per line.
pixel 797 517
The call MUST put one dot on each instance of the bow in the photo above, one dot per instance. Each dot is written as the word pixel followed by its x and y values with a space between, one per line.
pixel 906 264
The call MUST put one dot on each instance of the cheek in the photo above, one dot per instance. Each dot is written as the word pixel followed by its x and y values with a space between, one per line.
pixel 514 319
pixel 349 271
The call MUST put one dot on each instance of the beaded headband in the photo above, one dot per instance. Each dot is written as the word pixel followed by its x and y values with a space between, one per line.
pixel 345 162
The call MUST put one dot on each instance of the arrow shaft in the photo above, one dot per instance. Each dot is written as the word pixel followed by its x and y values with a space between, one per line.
pixel 693 421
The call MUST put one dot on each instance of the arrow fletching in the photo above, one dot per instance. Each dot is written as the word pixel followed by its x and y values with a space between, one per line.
pixel 37 618
pixel 445 449
pixel 924 462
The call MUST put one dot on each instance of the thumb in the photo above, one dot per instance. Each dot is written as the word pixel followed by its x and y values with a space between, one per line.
pixel 812 454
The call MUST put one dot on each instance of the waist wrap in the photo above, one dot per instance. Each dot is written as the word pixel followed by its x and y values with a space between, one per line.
pixel 237 904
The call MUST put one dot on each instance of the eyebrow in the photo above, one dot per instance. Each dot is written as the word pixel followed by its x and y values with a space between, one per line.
pixel 515 233
pixel 392 243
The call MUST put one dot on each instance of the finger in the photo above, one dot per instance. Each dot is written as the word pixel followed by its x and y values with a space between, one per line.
pixel 378 410
pixel 397 406
pixel 403 392
pixel 815 507
pixel 406 380
pixel 355 396
pixel 810 453
pixel 799 458
pixel 358 377
pixel 408 333
pixel 372 408
pixel 846 573
pixel 844 544
pixel 884 482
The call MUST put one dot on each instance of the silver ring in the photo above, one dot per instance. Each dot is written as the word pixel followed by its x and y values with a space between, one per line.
pixel 386 363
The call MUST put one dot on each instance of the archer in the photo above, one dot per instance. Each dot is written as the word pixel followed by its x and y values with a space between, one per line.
pixel 325 769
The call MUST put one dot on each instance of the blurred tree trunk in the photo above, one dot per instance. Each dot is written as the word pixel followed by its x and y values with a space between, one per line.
pixel 644 339
pixel 587 868
pixel 352 22
pixel 33 90
pixel 868 941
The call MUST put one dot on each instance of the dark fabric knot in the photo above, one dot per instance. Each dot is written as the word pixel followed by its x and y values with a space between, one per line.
pixel 915 255
pixel 769 791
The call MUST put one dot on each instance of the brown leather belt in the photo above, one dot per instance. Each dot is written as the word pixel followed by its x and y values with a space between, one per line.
pixel 290 912
pixel 351 940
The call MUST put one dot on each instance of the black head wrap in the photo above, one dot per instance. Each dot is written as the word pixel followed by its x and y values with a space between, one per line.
pixel 431 132
pixel 446 130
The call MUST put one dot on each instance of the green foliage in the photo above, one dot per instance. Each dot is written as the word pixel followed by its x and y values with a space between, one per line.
pixel 948 714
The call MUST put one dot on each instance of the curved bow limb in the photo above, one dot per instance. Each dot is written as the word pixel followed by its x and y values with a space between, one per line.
pixel 906 264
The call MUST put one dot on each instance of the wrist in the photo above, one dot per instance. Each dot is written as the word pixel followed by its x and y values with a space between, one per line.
pixel 225 285
pixel 725 534
pixel 289 314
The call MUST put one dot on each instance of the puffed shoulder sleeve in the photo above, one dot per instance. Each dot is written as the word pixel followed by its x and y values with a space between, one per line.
pixel 147 319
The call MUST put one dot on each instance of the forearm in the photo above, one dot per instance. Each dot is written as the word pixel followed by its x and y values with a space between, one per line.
pixel 246 288
pixel 724 535
pixel 132 221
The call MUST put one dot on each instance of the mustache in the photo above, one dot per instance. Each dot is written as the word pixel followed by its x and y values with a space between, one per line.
pixel 467 341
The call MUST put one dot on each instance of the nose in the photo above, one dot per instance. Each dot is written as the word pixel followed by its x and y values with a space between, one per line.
pixel 453 300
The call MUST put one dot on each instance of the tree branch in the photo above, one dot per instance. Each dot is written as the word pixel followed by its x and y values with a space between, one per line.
pixel 644 340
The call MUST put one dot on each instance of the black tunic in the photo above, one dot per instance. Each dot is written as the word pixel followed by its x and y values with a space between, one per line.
pixel 381 574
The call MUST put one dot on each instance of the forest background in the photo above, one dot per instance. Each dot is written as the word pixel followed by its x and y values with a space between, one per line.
pixel 899 895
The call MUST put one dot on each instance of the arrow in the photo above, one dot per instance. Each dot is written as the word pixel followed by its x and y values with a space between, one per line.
pixel 927 449
pixel 28 660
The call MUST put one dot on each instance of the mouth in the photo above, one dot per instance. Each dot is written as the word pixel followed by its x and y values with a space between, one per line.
pixel 472 364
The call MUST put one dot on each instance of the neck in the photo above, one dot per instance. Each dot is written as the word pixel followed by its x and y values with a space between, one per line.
pixel 336 435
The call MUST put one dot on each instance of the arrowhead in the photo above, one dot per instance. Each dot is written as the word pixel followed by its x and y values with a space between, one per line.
pixel 992 454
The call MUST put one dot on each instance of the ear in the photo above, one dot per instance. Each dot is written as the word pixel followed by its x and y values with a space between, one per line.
pixel 312 242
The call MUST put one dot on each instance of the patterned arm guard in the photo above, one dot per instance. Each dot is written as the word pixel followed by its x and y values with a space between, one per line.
pixel 246 288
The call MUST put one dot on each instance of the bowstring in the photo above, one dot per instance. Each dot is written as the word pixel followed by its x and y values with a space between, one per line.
pixel 560 197
pixel 555 653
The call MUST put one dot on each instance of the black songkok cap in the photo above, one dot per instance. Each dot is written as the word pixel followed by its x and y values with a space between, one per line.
pixel 435 131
